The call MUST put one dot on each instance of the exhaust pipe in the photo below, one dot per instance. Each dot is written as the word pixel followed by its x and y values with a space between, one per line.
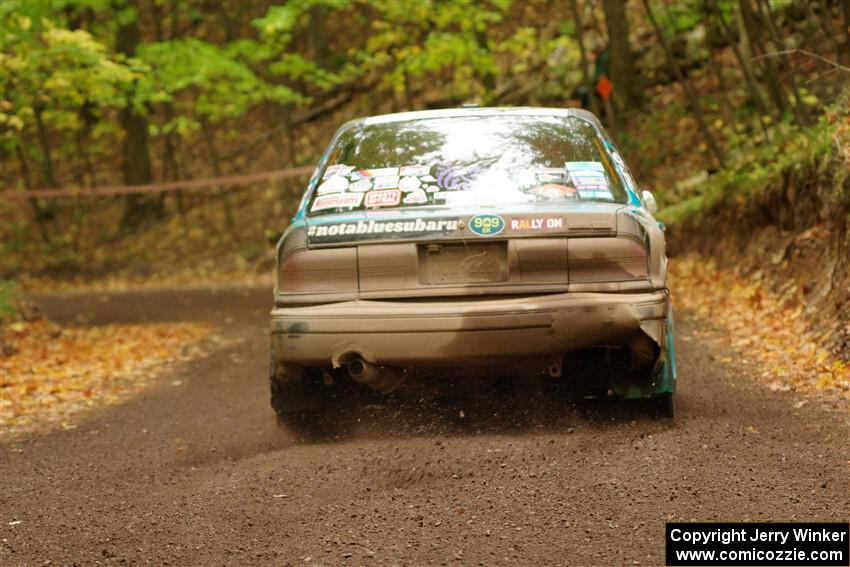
pixel 385 379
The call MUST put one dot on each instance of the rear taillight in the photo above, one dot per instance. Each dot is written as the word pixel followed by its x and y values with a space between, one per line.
pixel 330 271
pixel 597 260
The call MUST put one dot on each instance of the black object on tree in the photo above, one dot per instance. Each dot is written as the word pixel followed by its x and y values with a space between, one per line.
pixel 627 82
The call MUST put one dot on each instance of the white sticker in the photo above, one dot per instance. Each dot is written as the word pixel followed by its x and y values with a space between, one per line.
pixel 606 195
pixel 431 188
pixel 456 197
pixel 416 197
pixel 592 187
pixel 549 175
pixel 380 172
pixel 338 169
pixel 415 170
pixel 601 181
pixel 409 183
pixel 428 179
pixel 360 186
pixel 333 185
pixel 549 170
pixel 577 165
pixel 587 173
pixel 337 201
pixel 389 198
pixel 386 182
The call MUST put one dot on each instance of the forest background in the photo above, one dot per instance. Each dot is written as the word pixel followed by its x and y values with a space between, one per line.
pixel 734 112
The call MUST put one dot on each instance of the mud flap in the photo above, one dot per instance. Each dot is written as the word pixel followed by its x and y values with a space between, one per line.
pixel 662 378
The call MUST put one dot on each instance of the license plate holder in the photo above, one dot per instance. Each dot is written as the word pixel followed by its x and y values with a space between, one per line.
pixel 463 263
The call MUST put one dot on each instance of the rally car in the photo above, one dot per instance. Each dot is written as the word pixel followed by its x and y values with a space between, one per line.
pixel 496 241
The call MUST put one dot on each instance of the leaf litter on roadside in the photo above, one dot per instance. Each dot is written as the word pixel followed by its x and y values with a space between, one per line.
pixel 761 325
pixel 49 375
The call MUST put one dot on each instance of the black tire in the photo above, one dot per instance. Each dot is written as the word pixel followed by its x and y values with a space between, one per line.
pixel 661 406
pixel 299 396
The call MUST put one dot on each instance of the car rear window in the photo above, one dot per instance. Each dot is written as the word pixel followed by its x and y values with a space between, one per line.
pixel 469 160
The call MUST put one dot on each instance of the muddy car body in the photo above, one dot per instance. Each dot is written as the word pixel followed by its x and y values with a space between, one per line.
pixel 473 241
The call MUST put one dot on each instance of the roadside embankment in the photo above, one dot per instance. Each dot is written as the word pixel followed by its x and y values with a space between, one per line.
pixel 764 254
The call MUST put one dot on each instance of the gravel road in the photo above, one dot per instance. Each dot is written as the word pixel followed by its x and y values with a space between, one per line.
pixel 196 471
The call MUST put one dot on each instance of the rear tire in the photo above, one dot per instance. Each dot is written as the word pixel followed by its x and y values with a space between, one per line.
pixel 299 395
pixel 661 406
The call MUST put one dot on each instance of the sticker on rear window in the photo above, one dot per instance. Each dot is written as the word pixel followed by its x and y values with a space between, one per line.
pixel 416 197
pixel 415 170
pixel 588 174
pixel 389 198
pixel 455 197
pixel 333 185
pixel 409 183
pixel 579 165
pixel 553 191
pixel 580 181
pixel 339 169
pixel 360 186
pixel 337 201
pixel 386 182
pixel 380 172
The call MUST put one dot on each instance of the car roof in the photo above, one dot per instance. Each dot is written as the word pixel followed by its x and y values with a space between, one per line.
pixel 472 111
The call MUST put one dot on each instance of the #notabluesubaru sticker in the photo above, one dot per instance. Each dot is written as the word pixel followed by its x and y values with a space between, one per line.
pixel 366 230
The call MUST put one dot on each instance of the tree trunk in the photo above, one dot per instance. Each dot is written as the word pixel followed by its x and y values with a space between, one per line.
pixel 746 68
pixel 844 53
pixel 170 169
pixel 40 217
pixel 750 29
pixel 206 132
pixel 627 83
pixel 690 94
pixel 717 70
pixel 138 207
pixel 800 112
pixel 834 42
pixel 47 169
pixel 593 103
pixel 44 211
pixel 284 147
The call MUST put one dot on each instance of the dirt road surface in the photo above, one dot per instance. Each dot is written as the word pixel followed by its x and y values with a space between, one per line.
pixel 197 472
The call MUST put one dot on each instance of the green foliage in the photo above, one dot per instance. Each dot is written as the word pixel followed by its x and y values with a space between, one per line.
pixel 204 81
pixel 793 151
pixel 55 71
pixel 436 39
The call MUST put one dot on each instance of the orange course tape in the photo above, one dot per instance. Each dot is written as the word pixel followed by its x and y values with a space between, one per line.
pixel 189 184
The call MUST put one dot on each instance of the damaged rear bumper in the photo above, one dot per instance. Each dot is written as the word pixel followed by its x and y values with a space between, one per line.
pixel 467 333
